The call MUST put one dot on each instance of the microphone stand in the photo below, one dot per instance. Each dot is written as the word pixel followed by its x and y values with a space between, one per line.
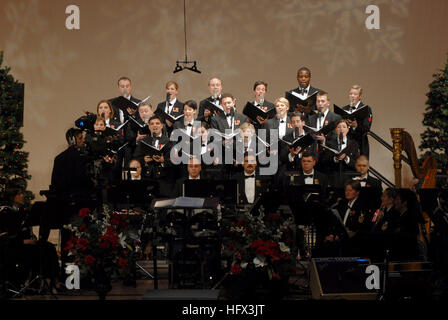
pixel 341 137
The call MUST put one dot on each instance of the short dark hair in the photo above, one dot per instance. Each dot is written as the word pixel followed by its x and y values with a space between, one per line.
pixel 309 154
pixel 71 134
pixel 257 83
pixel 355 184
pixel 155 117
pixel 123 78
pixel 227 95
pixel 304 69
pixel 10 193
pixel 191 104
pixel 296 114
pixel 391 192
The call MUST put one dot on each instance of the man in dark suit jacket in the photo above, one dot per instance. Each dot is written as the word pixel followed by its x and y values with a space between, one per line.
pixel 307 175
pixel 156 166
pixel 358 130
pixel 194 172
pixel 125 88
pixel 304 90
pixel 69 175
pixel 260 88
pixel 362 167
pixel 251 184
pixel 322 118
pixel 290 159
pixel 215 89
pixel 229 119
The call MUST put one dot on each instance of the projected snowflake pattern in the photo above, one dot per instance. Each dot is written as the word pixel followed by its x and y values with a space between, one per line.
pixel 46 62
pixel 300 18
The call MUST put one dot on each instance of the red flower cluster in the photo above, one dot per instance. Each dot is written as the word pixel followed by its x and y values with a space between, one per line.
pixel 273 217
pixel 84 212
pixel 236 269
pixel 89 259
pixel 122 263
pixel 109 239
pixel 71 244
pixel 82 243
pixel 120 221
pixel 269 249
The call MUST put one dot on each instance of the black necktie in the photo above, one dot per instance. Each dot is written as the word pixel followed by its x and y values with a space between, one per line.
pixel 203 145
pixel 308 176
pixel 304 91
pixel 251 176
pixel 282 121
pixel 189 125
pixel 363 180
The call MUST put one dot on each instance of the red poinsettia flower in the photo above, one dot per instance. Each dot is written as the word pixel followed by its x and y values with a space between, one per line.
pixel 82 243
pixel 236 269
pixel 89 259
pixel 275 275
pixel 122 263
pixel 84 212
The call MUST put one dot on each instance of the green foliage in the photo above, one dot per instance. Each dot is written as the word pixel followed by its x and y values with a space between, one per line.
pixel 435 137
pixel 13 161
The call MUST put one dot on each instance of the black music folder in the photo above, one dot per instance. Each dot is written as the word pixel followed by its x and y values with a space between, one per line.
pixel 166 116
pixel 359 114
pixel 302 142
pixel 253 112
pixel 304 106
pixel 348 149
pixel 212 106
pixel 324 130
pixel 122 103
pixel 137 126
pixel 151 150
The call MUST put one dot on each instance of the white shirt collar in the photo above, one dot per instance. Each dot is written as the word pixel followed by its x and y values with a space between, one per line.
pixel 191 178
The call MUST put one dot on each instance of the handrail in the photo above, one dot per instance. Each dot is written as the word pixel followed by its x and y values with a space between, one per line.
pixel 381 177
pixel 386 145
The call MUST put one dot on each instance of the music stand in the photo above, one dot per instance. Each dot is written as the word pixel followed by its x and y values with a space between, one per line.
pixel 225 190
pixel 188 204
pixel 133 193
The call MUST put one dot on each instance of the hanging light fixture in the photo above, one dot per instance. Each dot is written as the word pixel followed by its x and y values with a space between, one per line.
pixel 185 64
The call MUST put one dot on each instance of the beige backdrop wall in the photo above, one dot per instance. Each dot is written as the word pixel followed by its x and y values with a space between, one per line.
pixel 68 71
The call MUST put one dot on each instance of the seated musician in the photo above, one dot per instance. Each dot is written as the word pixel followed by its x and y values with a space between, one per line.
pixel 194 172
pixel 307 175
pixel 135 170
pixel 251 183
pixel 362 167
pixel 22 247
pixel 353 217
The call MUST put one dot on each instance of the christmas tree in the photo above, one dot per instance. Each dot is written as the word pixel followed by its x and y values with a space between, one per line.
pixel 13 161
pixel 435 137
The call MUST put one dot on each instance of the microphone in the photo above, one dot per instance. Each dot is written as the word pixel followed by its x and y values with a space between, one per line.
pixel 168 96
pixel 261 99
pixel 341 139
pixel 296 132
pixel 145 118
pixel 215 94
pixel 103 115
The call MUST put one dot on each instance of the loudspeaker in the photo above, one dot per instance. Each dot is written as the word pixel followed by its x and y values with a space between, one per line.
pixel 340 278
